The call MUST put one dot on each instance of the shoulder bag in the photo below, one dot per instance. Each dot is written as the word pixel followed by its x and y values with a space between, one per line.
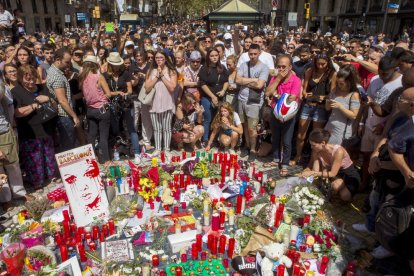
pixel 146 97
pixel 254 94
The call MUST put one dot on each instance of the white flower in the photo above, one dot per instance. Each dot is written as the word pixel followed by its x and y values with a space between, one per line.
pixel 296 188
pixel 321 201
pixel 305 202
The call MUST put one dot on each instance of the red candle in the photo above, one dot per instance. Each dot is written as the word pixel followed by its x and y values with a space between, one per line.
pixel 273 199
pixel 181 180
pixel 194 251
pixel 199 242
pixel 193 154
pixel 139 214
pixel 88 237
pixel 230 249
pixel 184 155
pixel 222 248
pixel 262 191
pixel 210 240
pixel 105 230
pixel 66 229
pixel 222 219
pixel 152 205
pixel 306 220
pixel 296 270
pixel 215 158
pixel 163 273
pixel 58 238
pixel 223 174
pixel 176 210
pixel 81 252
pixel 203 256
pixel 178 271
pixel 214 247
pixel 215 222
pixel 155 260
pixel 78 238
pixel 66 216
pixel 183 257
pixel 92 246
pixel 111 224
pixel 239 204
pixel 162 157
pixel 175 178
pixel 63 252
pixel 101 237
pixel 281 270
pixel 235 172
pixel 95 233
pixel 226 263
pixel 278 217
pixel 220 157
pixel 73 228
pixel 323 265
pixel 183 205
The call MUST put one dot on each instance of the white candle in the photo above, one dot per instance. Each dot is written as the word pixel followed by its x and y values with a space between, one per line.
pixel 243 204
pixel 206 218
pixel 231 216
pixel 264 178
pixel 257 187
pixel 205 205
pixel 294 230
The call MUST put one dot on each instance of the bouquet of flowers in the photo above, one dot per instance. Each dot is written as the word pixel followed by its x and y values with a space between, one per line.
pixel 147 189
pixel 204 168
pixel 39 256
pixel 308 198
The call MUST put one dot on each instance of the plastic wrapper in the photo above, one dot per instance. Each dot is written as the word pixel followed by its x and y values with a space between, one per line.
pixel 284 187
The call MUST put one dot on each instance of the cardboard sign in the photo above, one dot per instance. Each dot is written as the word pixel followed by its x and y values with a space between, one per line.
pixel 117 251
pixel 84 187
pixel 109 27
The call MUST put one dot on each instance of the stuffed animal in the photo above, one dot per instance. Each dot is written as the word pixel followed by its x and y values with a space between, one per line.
pixel 166 196
pixel 220 206
pixel 275 255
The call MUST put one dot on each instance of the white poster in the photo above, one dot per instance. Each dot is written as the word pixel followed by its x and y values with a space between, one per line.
pixel 84 187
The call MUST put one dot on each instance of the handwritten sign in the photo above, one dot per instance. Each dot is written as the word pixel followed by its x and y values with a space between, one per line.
pixel 119 251
pixel 109 27
pixel 83 184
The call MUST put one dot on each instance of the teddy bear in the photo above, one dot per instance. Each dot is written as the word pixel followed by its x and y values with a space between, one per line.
pixel 166 196
pixel 274 256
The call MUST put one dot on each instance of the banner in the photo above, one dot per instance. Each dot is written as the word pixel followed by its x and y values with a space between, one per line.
pixel 84 187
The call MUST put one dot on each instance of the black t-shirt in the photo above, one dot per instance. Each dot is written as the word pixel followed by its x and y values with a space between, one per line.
pixel 300 67
pixel 212 78
pixel 135 69
pixel 120 84
pixel 31 126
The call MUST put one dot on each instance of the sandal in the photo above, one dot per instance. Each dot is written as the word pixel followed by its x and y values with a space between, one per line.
pixel 284 172
pixel 272 164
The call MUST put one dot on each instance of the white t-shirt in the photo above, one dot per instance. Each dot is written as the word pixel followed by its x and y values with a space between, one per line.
pixel 264 57
pixel 236 119
pixel 6 18
pixel 379 92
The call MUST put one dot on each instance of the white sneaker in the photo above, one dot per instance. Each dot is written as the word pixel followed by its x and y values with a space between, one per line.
pixel 360 227
pixel 137 159
pixel 380 252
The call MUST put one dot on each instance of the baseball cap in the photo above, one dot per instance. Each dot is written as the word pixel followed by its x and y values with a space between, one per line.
pixel 129 43
pixel 227 36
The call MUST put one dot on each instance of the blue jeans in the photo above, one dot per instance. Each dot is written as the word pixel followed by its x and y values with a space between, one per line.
pixel 67 133
pixel 207 116
pixel 282 132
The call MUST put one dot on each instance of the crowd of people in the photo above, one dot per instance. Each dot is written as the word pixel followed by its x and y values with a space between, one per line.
pixel 177 86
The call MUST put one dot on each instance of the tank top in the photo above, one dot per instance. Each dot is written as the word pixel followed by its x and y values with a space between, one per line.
pixel 320 88
pixel 92 92
pixel 327 161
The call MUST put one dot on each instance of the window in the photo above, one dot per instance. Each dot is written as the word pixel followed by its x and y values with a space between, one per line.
pixel 55 6
pixel 44 6
pixel 48 24
pixel 351 7
pixel 34 6
pixel 37 24
pixel 19 5
pixel 333 3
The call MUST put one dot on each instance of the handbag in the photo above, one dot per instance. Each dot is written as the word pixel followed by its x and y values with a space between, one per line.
pixel 352 142
pixel 254 94
pixel 47 111
pixel 146 97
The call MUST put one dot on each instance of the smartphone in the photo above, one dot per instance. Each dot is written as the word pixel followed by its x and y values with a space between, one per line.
pixel 339 58
pixel 363 95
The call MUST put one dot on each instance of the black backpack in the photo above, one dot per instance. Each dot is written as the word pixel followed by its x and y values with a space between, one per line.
pixel 393 218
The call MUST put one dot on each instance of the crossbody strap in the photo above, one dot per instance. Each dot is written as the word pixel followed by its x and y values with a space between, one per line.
pixel 347 120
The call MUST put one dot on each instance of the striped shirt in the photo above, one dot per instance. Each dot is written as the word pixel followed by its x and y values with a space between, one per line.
pixel 57 79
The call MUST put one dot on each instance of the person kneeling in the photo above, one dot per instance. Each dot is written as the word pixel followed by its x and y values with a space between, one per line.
pixel 227 124
pixel 332 162
pixel 188 126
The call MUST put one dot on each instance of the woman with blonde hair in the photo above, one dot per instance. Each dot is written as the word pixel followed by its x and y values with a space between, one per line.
pixel 228 126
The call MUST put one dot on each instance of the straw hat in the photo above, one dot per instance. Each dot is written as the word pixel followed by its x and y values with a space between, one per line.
pixel 115 59
pixel 92 59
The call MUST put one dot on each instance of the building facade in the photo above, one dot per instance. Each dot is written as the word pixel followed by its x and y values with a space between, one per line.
pixel 39 15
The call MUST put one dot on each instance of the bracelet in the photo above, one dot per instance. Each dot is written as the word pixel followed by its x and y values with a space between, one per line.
pixel 361 124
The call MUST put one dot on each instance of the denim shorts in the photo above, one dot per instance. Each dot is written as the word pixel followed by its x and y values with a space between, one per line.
pixel 316 113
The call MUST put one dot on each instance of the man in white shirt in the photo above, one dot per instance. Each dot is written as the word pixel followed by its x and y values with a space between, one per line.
pixel 6 20
pixel 264 57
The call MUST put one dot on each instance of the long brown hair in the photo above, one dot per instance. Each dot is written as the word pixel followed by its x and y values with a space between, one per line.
pixel 217 119
pixel 209 64
pixel 87 67
pixel 168 64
